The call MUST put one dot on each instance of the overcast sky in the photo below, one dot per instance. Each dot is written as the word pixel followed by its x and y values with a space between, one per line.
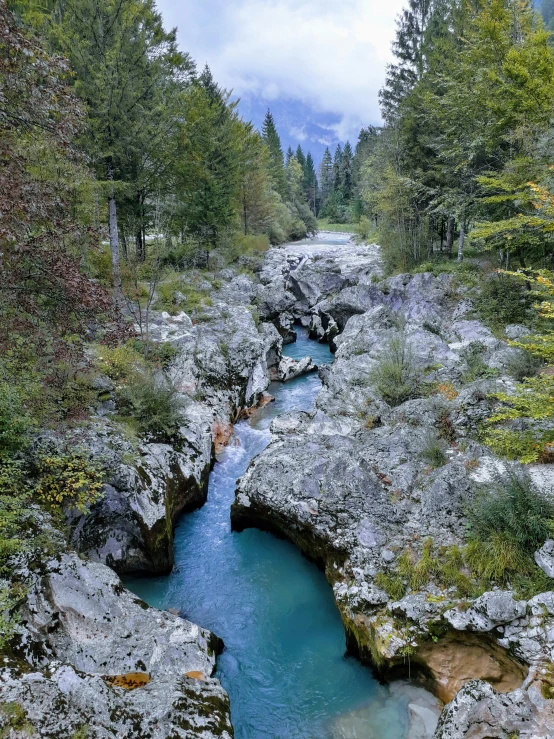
pixel 318 63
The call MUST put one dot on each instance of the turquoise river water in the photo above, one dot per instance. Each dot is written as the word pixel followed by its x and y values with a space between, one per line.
pixel 284 664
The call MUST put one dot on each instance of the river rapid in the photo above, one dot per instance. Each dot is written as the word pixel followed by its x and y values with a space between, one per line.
pixel 284 664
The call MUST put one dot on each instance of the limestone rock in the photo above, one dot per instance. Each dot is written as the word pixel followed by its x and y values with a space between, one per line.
pixel 290 368
pixel 83 635
pixel 545 558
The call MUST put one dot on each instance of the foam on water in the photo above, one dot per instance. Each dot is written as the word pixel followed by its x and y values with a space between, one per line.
pixel 284 664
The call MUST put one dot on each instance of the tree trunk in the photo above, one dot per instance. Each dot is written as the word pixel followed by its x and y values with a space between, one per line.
pixel 449 236
pixel 124 246
pixel 114 243
pixel 461 241
pixel 139 249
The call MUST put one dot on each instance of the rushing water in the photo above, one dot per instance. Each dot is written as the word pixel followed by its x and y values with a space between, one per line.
pixel 284 664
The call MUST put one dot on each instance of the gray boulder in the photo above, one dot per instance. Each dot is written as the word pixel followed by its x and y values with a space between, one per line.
pixel 108 662
pixel 545 558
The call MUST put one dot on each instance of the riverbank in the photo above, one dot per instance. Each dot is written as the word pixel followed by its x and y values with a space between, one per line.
pixel 351 482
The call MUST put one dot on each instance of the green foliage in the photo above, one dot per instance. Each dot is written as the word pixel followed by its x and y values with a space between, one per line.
pixel 325 225
pixel 154 405
pixel 15 523
pixel 69 479
pixel 189 299
pixel 503 300
pixel 395 376
pixel 364 229
pixel 476 368
pixel 508 521
pixel 445 565
pixel 512 506
pixel 122 362
pixel 14 420
pixel 393 585
pixel 10 597
pixel 434 451
pixel 522 365
pixel 533 402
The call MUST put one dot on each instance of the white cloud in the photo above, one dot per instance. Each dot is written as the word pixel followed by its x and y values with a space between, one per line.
pixel 298 133
pixel 329 55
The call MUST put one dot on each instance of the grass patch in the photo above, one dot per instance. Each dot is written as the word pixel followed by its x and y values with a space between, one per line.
pixel 154 405
pixel 324 225
pixel 174 296
pixel 434 451
pixel 395 376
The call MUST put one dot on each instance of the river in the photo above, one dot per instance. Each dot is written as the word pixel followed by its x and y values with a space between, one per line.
pixel 284 664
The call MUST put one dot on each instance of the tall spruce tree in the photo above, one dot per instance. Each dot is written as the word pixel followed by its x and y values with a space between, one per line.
pixel 337 172
pixel 121 55
pixel 300 158
pixel 310 182
pixel 409 49
pixel 273 143
pixel 326 177
pixel 346 172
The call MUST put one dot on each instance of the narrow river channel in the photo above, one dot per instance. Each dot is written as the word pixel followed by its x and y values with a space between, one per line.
pixel 284 664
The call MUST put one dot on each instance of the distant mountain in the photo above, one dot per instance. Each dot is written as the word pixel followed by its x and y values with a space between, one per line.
pixel 297 123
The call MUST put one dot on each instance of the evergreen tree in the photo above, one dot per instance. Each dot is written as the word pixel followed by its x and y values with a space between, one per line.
pixel 120 54
pixel 289 155
pixel 300 158
pixel 273 143
pixel 346 172
pixel 310 182
pixel 326 177
pixel 337 172
pixel 409 48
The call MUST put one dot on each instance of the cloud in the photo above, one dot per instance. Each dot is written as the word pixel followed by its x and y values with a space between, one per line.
pixel 330 56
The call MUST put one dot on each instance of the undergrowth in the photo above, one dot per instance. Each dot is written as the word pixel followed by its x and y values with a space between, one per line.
pixel 508 520
pixel 395 376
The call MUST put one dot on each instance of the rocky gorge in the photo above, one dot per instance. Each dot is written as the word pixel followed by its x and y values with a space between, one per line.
pixel 348 483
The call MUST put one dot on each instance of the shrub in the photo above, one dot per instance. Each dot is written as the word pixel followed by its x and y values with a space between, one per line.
pixel 532 401
pixel 396 377
pixel 513 506
pixel 173 296
pixel 122 362
pixel 522 364
pixel 508 520
pixel 13 511
pixel 434 451
pixel 504 300
pixel 69 478
pixel 14 421
pixel 364 229
pixel 155 405
pixel 10 598
pixel 476 368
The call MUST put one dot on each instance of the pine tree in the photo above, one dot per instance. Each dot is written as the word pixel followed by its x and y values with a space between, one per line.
pixel 289 155
pixel 273 143
pixel 346 172
pixel 300 158
pixel 337 174
pixel 326 177
pixel 409 49
pixel 310 182
pixel 122 57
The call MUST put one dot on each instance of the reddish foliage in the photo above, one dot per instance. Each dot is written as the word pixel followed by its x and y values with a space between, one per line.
pixel 45 294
